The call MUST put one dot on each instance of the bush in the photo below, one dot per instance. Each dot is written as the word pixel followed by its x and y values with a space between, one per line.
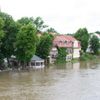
pixel 87 56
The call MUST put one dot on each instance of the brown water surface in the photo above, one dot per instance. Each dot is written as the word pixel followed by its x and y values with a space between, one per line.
pixel 78 81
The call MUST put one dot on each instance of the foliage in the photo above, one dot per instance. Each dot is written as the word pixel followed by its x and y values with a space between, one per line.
pixel 39 23
pixel 51 30
pixel 86 57
pixel 25 20
pixel 26 43
pixel 83 36
pixel 94 44
pixel 9 28
pixel 1 29
pixel 1 36
pixel 61 55
pixel 98 32
pixel 44 47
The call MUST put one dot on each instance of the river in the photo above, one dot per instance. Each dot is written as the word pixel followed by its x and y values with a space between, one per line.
pixel 77 81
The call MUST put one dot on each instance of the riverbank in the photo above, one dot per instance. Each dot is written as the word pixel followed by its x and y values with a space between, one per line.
pixel 84 58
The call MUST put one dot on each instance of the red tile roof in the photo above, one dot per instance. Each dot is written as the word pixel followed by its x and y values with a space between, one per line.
pixel 64 41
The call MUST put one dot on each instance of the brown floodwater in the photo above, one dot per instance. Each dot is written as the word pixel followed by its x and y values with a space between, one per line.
pixel 78 81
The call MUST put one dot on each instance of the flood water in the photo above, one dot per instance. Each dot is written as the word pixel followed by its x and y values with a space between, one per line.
pixel 78 81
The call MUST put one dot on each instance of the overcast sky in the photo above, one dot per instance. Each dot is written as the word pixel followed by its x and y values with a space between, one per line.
pixel 66 16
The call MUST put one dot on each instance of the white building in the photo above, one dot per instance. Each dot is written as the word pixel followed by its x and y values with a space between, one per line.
pixel 37 62
pixel 70 43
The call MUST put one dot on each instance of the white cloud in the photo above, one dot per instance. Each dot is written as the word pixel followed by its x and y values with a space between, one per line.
pixel 66 16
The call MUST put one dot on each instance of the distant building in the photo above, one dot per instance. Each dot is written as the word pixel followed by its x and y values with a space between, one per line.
pixel 70 43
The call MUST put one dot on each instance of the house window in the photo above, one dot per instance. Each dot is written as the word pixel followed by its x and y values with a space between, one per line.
pixel 37 64
pixel 60 41
pixel 65 42
pixel 32 63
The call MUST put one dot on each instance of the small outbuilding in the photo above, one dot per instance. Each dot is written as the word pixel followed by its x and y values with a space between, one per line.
pixel 37 62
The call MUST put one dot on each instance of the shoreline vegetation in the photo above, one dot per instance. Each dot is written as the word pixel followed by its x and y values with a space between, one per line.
pixel 25 38
pixel 84 58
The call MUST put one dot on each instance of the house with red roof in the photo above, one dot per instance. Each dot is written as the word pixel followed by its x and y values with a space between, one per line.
pixel 72 46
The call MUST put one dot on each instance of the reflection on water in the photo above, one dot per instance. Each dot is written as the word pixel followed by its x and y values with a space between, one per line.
pixel 70 81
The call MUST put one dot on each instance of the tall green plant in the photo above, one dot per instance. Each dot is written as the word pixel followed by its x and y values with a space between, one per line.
pixel 94 44
pixel 26 43
pixel 61 54
pixel 83 36
pixel 44 47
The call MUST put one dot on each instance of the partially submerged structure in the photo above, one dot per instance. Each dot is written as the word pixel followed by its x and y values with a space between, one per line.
pixel 36 62
pixel 72 46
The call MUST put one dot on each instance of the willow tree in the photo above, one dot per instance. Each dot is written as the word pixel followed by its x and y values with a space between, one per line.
pixel 26 43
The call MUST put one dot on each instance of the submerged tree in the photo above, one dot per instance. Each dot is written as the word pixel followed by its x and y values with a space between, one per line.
pixel 61 55
pixel 1 36
pixel 9 28
pixel 26 43
pixel 94 44
pixel 44 47
pixel 83 36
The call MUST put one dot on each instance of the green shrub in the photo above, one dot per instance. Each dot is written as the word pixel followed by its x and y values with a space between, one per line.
pixel 87 56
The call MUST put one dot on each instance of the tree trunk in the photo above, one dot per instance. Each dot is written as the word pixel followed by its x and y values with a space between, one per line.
pixel 8 62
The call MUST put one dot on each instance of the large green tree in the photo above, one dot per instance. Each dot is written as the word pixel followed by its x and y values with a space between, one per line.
pixel 9 28
pixel 83 36
pixel 1 36
pixel 44 47
pixel 94 44
pixel 26 43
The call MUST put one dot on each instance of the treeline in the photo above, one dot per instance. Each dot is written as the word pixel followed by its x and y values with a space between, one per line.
pixel 20 39
pixel 88 40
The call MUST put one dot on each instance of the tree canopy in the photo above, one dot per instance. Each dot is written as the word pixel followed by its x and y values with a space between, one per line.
pixel 9 30
pixel 26 43
pixel 44 47
pixel 83 36
pixel 94 44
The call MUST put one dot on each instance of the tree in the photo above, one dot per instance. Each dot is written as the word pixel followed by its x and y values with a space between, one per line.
pixel 83 36
pixel 44 47
pixel 61 54
pixel 1 36
pixel 1 29
pixel 26 43
pixel 94 44
pixel 39 23
pixel 98 32
pixel 25 21
pixel 9 28
pixel 52 30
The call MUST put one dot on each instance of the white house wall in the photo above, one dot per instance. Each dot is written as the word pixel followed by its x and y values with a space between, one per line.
pixel 76 53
